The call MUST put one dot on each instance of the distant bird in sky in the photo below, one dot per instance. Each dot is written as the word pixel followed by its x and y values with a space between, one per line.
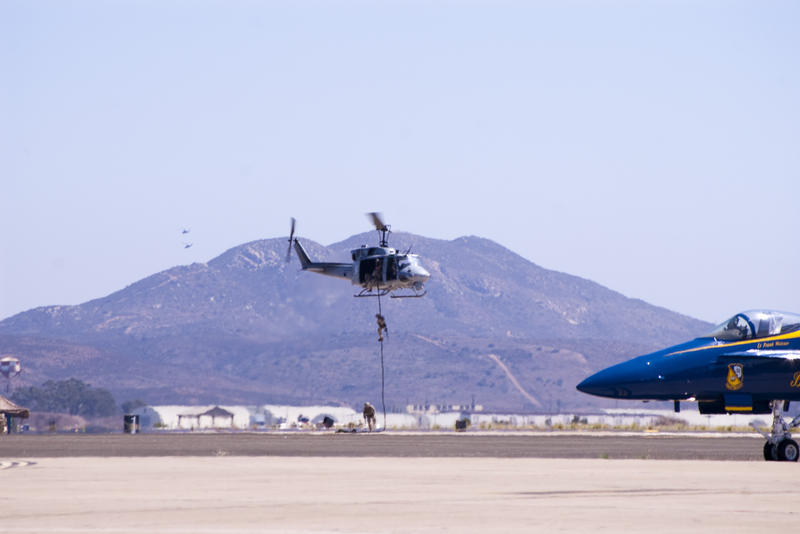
pixel 186 230
pixel 187 245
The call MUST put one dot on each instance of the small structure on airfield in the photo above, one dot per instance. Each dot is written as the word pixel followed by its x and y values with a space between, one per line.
pixel 214 413
pixel 8 413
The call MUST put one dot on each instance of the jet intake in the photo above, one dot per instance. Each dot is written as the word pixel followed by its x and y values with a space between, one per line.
pixel 733 403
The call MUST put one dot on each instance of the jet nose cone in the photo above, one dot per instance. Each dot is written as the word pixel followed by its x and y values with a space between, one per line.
pixel 599 384
pixel 623 380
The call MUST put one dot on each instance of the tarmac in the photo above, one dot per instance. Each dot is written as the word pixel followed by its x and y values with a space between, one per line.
pixel 603 445
pixel 386 483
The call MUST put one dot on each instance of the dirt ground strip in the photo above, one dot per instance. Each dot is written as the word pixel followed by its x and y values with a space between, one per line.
pixel 498 445
pixel 297 495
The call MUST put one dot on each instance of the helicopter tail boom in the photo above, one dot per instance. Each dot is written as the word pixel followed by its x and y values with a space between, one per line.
pixel 338 270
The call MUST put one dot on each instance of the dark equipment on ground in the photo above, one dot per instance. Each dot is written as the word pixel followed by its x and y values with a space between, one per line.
pixel 130 424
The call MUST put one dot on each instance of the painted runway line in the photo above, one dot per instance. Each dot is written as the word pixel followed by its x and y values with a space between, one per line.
pixel 4 464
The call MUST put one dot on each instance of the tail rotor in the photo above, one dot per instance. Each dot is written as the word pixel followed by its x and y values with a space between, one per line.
pixel 291 238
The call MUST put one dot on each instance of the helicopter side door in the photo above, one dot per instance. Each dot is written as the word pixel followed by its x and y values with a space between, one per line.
pixel 372 271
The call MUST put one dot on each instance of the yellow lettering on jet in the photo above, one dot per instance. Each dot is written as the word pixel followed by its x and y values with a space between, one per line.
pixel 796 380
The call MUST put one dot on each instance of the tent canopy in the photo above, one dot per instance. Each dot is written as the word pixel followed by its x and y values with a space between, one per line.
pixel 9 408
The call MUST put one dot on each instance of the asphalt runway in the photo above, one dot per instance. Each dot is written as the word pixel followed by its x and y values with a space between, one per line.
pixel 603 445
pixel 356 495
pixel 385 483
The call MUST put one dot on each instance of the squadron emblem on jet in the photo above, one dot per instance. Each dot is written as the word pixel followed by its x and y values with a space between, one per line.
pixel 735 376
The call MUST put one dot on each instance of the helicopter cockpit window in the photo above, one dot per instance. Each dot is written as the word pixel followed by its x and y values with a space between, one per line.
pixel 756 324
pixel 404 261
pixel 407 259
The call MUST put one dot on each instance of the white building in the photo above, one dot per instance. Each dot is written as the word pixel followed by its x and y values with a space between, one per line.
pixel 177 417
pixel 282 417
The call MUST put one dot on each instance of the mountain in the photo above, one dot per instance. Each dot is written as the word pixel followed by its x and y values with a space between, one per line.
pixel 247 327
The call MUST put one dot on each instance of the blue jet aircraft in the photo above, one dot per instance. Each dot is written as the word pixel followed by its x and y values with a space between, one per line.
pixel 748 364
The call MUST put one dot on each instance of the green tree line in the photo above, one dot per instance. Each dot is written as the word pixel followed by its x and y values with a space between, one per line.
pixel 67 396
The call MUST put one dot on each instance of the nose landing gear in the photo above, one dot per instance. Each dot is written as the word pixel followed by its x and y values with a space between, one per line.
pixel 779 446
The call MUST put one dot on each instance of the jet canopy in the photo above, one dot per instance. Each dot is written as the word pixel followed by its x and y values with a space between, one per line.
pixel 754 324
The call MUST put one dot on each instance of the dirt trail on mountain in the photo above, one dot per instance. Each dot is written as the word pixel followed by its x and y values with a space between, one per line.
pixel 514 381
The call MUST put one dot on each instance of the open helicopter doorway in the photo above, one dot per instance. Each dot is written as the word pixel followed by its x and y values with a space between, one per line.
pixel 374 272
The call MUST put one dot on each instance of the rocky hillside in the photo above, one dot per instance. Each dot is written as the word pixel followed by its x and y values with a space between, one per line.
pixel 247 327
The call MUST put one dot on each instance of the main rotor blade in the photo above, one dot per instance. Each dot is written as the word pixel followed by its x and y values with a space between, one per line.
pixel 377 221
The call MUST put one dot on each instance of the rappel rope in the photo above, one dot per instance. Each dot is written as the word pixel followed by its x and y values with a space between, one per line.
pixel 380 339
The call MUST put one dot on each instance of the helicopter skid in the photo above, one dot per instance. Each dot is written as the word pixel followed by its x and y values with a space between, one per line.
pixel 414 296
pixel 370 293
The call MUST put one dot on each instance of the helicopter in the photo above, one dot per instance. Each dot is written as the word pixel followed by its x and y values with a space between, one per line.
pixel 379 270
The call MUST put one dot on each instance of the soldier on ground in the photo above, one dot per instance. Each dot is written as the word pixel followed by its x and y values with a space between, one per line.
pixel 369 415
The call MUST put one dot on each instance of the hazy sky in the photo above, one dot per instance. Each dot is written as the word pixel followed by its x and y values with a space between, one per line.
pixel 653 146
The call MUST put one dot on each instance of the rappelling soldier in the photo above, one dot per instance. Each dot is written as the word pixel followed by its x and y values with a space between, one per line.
pixel 381 326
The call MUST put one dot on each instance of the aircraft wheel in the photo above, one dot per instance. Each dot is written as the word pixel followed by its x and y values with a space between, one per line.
pixel 770 452
pixel 788 450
